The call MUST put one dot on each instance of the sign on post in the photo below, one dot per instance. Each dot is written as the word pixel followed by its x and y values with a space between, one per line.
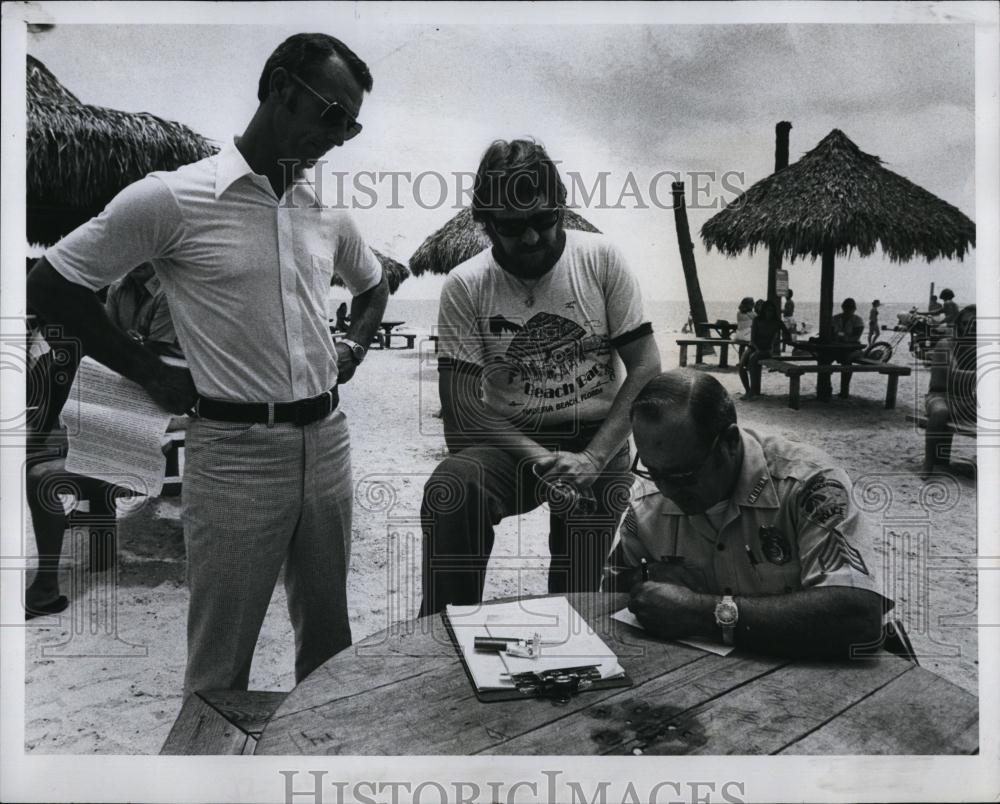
pixel 781 282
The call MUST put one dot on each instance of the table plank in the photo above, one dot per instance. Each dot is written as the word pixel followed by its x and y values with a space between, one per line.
pixel 250 711
pixel 767 714
pixel 886 722
pixel 443 714
pixel 627 719
pixel 201 729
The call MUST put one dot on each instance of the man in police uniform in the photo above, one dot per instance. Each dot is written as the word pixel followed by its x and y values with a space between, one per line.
pixel 749 538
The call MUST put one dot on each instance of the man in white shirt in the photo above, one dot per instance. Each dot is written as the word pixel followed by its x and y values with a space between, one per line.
pixel 543 343
pixel 245 253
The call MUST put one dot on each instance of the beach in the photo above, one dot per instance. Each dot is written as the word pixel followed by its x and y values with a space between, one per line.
pixel 111 684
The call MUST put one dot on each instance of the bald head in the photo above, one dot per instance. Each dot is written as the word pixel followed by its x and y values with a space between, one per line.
pixel 696 397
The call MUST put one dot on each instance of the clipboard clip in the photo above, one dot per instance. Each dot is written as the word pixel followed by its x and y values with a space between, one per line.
pixel 556 685
pixel 513 646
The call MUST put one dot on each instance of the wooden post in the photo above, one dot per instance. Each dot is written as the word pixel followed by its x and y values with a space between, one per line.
pixel 930 297
pixel 695 301
pixel 780 162
pixel 824 389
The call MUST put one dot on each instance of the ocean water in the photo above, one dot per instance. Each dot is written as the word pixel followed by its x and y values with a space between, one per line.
pixel 420 315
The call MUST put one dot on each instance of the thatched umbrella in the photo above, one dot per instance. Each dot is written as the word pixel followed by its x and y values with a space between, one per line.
pixel 79 157
pixel 394 271
pixel 462 238
pixel 834 200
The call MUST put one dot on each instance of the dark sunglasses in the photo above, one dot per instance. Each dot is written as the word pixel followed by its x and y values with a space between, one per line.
pixel 515 227
pixel 334 114
pixel 688 478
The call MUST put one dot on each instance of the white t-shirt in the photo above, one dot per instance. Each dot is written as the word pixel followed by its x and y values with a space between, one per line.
pixel 547 349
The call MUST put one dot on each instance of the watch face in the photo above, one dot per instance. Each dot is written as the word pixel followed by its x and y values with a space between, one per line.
pixel 726 614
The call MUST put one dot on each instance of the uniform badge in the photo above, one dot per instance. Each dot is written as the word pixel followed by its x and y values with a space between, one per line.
pixel 774 545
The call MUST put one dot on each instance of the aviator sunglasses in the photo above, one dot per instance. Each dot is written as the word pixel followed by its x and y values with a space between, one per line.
pixel 334 114
pixel 688 478
pixel 515 227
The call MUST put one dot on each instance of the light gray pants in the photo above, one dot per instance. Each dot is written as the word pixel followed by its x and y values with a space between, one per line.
pixel 254 497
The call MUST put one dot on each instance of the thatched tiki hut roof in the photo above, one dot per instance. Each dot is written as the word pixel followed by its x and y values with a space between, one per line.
pixel 834 200
pixel 395 272
pixel 79 157
pixel 462 238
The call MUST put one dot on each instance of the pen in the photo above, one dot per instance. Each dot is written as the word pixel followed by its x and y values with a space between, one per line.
pixel 751 556
pixel 644 568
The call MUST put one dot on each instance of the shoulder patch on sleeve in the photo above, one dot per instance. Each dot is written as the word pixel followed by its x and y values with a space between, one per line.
pixel 824 500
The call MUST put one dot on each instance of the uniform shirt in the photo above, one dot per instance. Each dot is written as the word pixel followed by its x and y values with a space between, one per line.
pixel 547 351
pixel 247 273
pixel 789 525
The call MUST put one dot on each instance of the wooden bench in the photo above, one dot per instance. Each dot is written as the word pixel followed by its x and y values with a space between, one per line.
pixel 951 427
pixel 793 369
pixel 723 343
pixel 409 337
pixel 221 722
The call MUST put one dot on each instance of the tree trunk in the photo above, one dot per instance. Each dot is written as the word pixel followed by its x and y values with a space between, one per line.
pixel 780 161
pixel 696 303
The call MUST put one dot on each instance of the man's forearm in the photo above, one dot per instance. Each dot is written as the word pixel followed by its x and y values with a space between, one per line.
pixel 819 622
pixel 616 427
pixel 366 313
pixel 822 622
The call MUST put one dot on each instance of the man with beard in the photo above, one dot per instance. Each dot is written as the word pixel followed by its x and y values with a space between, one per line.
pixel 543 345
pixel 245 253
pixel 740 536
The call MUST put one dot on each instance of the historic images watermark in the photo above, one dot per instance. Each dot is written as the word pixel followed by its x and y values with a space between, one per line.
pixel 313 787
pixel 431 189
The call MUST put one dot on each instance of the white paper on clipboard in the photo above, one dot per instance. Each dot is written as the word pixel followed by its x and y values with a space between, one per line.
pixel 552 618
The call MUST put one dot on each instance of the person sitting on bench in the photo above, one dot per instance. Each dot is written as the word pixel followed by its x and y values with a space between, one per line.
pixel 848 327
pixel 744 323
pixel 136 304
pixel 951 396
pixel 764 332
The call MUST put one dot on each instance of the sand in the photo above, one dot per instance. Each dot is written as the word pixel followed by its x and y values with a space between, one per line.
pixel 106 677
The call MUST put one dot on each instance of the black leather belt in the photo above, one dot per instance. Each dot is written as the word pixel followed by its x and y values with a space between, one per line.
pixel 300 413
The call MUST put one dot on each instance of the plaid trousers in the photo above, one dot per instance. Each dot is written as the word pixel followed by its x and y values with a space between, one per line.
pixel 255 497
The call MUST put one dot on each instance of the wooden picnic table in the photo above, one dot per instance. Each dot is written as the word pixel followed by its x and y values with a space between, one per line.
pixel 387 328
pixel 723 328
pixel 699 343
pixel 404 691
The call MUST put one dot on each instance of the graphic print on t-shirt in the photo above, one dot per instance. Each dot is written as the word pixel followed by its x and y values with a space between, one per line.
pixel 550 364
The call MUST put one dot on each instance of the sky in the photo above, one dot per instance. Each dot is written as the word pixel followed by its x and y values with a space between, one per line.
pixel 614 100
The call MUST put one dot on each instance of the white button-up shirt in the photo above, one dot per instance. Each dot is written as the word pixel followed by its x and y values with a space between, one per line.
pixel 246 274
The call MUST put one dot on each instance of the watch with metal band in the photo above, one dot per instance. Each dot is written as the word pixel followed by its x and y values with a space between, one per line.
pixel 358 351
pixel 726 617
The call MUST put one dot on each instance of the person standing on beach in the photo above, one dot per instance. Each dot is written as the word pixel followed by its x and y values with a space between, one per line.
pixel 245 253
pixel 873 329
pixel 740 536
pixel 534 336
pixel 788 316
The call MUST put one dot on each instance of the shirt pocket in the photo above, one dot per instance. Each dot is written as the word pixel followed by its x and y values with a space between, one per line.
pixel 321 275
pixel 776 579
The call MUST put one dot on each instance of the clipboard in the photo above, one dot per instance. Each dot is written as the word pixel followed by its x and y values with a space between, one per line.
pixel 586 666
